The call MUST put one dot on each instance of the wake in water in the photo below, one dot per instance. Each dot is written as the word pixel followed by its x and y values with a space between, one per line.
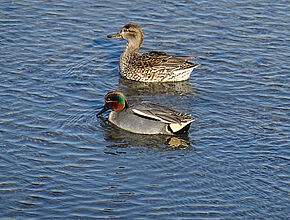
pixel 78 109
pixel 79 121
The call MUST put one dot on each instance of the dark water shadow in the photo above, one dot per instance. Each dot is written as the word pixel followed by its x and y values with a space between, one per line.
pixel 118 138
pixel 135 89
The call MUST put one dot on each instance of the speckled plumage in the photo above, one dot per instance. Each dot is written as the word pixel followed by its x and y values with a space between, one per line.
pixel 145 117
pixel 152 66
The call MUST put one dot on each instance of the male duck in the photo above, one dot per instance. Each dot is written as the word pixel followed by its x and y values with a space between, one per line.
pixel 153 66
pixel 144 117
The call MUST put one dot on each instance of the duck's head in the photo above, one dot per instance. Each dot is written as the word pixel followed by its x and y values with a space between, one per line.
pixel 132 33
pixel 114 100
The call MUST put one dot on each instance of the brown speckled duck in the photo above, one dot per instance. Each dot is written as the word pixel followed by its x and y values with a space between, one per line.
pixel 152 66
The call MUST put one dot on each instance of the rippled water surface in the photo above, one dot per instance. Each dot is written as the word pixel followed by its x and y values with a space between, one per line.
pixel 57 160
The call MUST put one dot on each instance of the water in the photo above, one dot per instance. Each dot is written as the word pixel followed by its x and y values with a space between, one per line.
pixel 58 160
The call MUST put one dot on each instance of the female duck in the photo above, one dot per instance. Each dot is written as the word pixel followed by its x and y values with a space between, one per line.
pixel 144 117
pixel 153 66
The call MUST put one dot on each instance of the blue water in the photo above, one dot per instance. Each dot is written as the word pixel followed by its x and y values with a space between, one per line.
pixel 57 160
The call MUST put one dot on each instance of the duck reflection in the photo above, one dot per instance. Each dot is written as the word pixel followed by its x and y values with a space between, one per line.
pixel 121 138
pixel 133 88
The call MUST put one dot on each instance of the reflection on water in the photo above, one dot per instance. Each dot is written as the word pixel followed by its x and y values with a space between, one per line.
pixel 133 89
pixel 121 138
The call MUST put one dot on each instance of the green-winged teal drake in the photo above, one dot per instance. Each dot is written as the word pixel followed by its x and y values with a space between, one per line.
pixel 152 66
pixel 144 117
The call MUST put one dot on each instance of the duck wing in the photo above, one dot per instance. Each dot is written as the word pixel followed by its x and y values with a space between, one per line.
pixel 161 60
pixel 161 113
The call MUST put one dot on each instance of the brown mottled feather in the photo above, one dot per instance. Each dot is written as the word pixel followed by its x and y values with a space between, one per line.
pixel 152 66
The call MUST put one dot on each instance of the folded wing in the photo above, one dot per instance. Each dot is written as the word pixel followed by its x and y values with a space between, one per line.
pixel 161 60
pixel 164 114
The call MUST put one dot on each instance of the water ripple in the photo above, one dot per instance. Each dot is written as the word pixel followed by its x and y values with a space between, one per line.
pixel 58 160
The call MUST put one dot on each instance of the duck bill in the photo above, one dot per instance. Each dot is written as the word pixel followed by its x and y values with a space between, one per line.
pixel 102 111
pixel 118 35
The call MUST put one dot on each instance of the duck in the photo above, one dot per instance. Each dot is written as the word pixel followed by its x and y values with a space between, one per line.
pixel 153 66
pixel 144 117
